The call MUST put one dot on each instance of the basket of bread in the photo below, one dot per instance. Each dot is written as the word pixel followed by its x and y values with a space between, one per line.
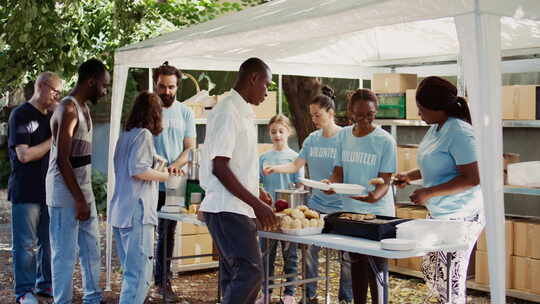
pixel 300 221
pixel 368 226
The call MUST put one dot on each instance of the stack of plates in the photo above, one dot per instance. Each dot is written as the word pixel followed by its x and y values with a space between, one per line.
pixel 398 244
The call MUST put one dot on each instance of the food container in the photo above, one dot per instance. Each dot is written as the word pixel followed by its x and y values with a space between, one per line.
pixel 295 197
pixel 303 231
pixel 176 182
pixel 382 227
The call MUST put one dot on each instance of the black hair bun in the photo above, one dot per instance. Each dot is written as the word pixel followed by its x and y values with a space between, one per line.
pixel 328 91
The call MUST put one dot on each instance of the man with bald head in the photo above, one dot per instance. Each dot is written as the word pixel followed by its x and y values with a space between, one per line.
pixel 29 142
pixel 230 177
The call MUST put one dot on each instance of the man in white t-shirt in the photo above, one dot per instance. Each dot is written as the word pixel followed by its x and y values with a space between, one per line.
pixel 230 177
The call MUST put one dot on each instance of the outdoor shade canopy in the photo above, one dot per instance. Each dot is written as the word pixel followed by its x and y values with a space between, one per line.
pixel 354 39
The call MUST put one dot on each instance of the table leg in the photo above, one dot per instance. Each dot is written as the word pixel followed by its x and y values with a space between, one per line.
pixel 266 255
pixel 304 267
pixel 326 277
pixel 164 270
pixel 382 280
pixel 219 282
pixel 448 276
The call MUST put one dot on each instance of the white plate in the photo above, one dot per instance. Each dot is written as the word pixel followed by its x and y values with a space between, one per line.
pixel 314 184
pixel 350 189
pixel 304 231
pixel 398 244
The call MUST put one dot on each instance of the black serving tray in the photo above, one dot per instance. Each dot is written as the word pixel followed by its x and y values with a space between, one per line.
pixel 363 229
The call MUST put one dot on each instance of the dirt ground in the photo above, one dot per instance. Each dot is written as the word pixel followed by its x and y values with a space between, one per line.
pixel 200 287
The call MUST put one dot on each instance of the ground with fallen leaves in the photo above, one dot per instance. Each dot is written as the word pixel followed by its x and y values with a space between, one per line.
pixel 200 287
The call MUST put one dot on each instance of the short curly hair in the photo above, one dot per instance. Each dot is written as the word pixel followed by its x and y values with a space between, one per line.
pixel 167 70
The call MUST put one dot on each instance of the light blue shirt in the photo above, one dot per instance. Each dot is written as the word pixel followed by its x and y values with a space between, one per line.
pixel 362 159
pixel 439 154
pixel 178 123
pixel 320 154
pixel 134 155
pixel 274 182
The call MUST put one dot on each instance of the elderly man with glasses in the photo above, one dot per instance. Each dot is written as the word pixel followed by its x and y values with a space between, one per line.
pixel 29 142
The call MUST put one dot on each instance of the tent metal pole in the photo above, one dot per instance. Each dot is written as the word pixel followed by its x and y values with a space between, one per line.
pixel 280 94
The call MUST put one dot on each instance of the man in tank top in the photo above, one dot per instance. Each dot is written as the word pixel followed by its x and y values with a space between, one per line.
pixel 72 209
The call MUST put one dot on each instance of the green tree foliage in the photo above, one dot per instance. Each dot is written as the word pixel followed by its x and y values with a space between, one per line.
pixel 38 35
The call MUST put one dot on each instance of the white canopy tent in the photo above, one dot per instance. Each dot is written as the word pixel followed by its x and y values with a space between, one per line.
pixel 354 39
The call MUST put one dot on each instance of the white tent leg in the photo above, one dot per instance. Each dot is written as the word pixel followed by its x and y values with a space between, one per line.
pixel 479 38
pixel 119 87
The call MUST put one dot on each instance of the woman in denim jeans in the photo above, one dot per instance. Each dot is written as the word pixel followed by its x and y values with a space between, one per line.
pixel 133 207
pixel 451 190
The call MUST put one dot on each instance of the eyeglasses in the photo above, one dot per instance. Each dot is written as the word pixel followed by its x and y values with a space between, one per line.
pixel 55 91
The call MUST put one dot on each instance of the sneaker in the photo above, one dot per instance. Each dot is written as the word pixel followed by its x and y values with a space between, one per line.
pixel 46 293
pixel 28 298
pixel 158 292
pixel 287 299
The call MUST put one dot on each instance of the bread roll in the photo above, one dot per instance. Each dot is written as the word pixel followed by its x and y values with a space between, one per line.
pixel 297 214
pixel 314 222
pixel 305 223
pixel 288 211
pixel 302 208
pixel 311 214
pixel 376 181
pixel 369 216
pixel 296 224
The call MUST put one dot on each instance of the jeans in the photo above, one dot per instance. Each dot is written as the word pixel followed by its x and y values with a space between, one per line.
pixel 166 230
pixel 290 260
pixel 363 276
pixel 241 271
pixel 30 231
pixel 345 283
pixel 71 238
pixel 135 247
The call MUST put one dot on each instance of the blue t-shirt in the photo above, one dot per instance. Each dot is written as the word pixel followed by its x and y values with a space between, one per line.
pixel 27 126
pixel 362 159
pixel 439 154
pixel 320 153
pixel 274 182
pixel 178 123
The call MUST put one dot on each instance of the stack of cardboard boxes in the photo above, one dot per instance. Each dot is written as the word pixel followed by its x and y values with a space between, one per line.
pixel 481 262
pixel 523 256
pixel 526 258
pixel 409 212
pixel 391 88
pixel 191 240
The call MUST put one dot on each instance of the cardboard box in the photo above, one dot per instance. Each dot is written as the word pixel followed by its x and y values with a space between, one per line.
pixel 404 212
pixel 520 274
pixel 415 263
pixel 194 245
pixel 520 237
pixel 482 269
pixel 509 231
pixel 403 263
pixel 533 240
pixel 268 108
pixel 393 82
pixel 418 213
pixel 519 102
pixel 534 275
pixel 411 109
pixel 190 229
pixel 406 157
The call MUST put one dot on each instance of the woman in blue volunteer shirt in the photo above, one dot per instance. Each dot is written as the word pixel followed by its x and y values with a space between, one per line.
pixel 319 152
pixel 280 129
pixel 365 151
pixel 448 165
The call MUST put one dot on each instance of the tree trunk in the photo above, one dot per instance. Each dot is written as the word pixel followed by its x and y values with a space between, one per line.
pixel 300 91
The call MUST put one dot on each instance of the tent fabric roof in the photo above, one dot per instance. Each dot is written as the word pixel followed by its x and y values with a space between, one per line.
pixel 302 37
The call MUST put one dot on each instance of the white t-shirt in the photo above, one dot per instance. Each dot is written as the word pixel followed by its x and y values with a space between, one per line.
pixel 231 133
